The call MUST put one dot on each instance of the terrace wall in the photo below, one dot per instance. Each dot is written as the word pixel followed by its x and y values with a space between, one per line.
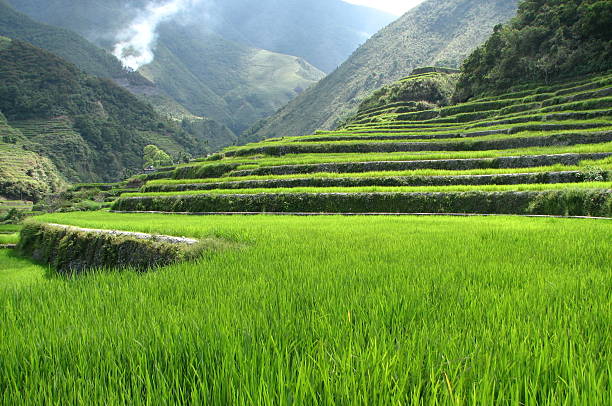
pixel 594 202
pixel 70 250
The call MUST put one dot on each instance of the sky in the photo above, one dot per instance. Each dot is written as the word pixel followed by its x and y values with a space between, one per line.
pixel 397 7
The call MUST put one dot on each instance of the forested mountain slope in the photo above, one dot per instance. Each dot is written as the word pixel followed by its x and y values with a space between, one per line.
pixel 96 61
pixel 438 32
pixel 92 129
pixel 231 82
pixel 65 44
pixel 324 32
pixel 226 81
pixel 547 41
pixel 24 175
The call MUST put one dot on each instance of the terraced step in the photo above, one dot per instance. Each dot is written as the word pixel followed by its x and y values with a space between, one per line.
pixel 563 139
pixel 526 161
pixel 404 135
pixel 539 150
pixel 587 202
pixel 415 180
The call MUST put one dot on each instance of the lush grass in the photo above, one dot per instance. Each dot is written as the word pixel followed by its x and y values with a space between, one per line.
pixel 15 274
pixel 9 238
pixel 494 137
pixel 400 189
pixel 363 310
pixel 605 164
pixel 303 159
pixel 10 228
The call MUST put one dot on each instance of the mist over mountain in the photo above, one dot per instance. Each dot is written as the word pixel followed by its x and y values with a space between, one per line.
pixel 437 32
pixel 64 43
pixel 323 32
pixel 201 60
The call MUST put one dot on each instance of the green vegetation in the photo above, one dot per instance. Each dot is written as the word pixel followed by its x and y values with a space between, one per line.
pixel 547 40
pixel 228 80
pixel 9 238
pixel 155 157
pixel 351 310
pixel 382 189
pixel 543 150
pixel 65 44
pixel 420 37
pixel 24 175
pixel 432 90
pixel 18 273
pixel 231 83
pixel 96 61
pixel 328 309
pixel 71 250
pixel 91 129
pixel 9 228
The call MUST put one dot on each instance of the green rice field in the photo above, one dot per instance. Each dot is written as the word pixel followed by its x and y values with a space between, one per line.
pixel 321 310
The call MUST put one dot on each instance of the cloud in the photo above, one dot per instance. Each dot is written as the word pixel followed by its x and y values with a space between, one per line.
pixel 136 44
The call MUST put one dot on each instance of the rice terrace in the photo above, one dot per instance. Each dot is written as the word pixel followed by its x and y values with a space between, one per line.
pixel 446 241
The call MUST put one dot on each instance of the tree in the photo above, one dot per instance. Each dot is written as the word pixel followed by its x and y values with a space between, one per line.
pixel 153 156
pixel 547 40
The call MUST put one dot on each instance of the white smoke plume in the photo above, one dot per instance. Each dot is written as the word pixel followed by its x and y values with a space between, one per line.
pixel 136 44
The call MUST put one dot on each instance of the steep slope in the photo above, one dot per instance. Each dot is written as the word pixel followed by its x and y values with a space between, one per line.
pixel 546 41
pixel 232 83
pixel 438 32
pixel 228 82
pixel 24 174
pixel 66 44
pixel 89 127
pixel 537 150
pixel 96 61
pixel 324 32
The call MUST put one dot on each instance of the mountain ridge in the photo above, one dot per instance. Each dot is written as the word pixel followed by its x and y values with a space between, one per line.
pixel 435 32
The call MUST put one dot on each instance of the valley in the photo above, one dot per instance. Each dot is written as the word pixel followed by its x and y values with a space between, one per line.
pixel 430 223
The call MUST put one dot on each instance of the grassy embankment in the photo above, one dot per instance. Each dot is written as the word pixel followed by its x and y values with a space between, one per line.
pixel 356 310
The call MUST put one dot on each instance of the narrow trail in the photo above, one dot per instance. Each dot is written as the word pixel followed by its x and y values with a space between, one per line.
pixel 141 236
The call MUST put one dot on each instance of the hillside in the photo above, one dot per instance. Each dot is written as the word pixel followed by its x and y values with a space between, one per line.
pixel 289 27
pixel 24 175
pixel 438 32
pixel 230 82
pixel 533 150
pixel 544 42
pixel 96 61
pixel 65 44
pixel 90 128
pixel 283 26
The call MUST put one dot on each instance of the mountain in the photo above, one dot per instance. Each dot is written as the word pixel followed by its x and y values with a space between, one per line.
pixel 65 44
pixel 24 175
pixel 229 60
pixel 324 32
pixel 438 32
pixel 226 81
pixel 546 41
pixel 90 128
